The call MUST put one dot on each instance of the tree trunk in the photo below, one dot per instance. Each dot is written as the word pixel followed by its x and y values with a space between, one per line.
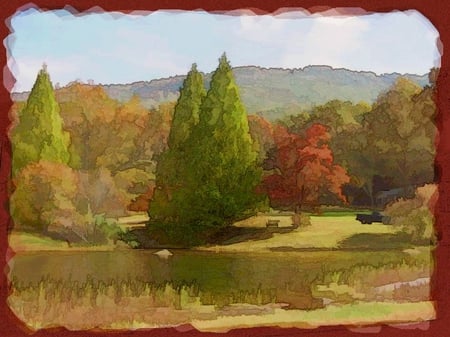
pixel 369 190
pixel 296 216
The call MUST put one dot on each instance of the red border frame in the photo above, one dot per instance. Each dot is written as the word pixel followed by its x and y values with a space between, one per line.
pixel 435 10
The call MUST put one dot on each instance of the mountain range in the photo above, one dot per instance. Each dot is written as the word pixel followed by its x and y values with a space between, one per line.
pixel 272 92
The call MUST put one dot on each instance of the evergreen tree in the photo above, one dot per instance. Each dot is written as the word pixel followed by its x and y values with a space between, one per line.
pixel 223 171
pixel 173 162
pixel 207 177
pixel 39 133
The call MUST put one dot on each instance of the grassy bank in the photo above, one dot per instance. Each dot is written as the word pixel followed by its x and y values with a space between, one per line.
pixel 327 231
pixel 28 242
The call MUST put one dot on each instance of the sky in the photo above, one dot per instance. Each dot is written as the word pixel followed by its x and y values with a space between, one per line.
pixel 118 48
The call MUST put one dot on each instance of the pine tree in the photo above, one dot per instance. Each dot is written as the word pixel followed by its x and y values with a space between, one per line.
pixel 207 177
pixel 172 163
pixel 39 134
pixel 223 170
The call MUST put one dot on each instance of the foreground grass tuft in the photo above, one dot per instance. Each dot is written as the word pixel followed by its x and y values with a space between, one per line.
pixel 350 315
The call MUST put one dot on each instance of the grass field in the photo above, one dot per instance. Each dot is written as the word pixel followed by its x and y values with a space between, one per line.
pixel 324 232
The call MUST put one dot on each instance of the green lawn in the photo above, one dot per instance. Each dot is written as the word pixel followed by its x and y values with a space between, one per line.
pixel 324 232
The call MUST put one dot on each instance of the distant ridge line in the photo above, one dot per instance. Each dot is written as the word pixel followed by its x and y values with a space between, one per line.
pixel 271 92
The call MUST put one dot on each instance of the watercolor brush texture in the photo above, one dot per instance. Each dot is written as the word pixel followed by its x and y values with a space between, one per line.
pixel 171 190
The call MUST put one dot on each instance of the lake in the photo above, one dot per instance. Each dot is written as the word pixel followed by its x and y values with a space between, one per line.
pixel 204 285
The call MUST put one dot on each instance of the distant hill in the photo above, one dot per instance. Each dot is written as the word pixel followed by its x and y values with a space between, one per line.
pixel 272 92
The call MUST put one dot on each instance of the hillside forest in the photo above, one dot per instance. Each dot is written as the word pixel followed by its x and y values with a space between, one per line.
pixel 81 159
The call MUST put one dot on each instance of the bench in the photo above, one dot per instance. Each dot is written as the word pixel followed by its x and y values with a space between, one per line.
pixel 272 223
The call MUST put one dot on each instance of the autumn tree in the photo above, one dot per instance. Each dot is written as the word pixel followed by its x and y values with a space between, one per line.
pixel 261 131
pixel 414 216
pixel 38 129
pixel 388 145
pixel 400 133
pixel 87 112
pixel 348 142
pixel 122 137
pixel 45 195
pixel 56 200
pixel 303 169
pixel 337 115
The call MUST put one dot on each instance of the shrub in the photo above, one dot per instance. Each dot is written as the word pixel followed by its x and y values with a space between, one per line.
pixel 105 230
pixel 99 187
pixel 57 201
pixel 415 216
pixel 45 195
pixel 301 220
pixel 130 239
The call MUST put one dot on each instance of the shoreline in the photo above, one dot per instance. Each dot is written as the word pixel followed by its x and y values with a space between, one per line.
pixel 325 234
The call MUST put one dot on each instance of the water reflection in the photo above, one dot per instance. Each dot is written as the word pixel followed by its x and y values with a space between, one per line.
pixel 220 279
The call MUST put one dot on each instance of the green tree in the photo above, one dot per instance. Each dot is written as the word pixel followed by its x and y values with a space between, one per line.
pixel 38 133
pixel 401 131
pixel 218 172
pixel 394 144
pixel 223 170
pixel 172 163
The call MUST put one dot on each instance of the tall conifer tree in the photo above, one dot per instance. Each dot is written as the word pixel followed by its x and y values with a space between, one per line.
pixel 207 177
pixel 223 171
pixel 172 163
pixel 39 134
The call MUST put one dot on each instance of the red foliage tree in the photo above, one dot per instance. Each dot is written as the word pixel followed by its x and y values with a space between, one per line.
pixel 304 169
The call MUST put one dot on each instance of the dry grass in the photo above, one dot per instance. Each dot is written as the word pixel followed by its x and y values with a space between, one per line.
pixel 135 304
pixel 27 242
pixel 351 314
pixel 117 304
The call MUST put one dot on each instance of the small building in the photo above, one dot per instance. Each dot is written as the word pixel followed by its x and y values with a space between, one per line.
pixel 385 197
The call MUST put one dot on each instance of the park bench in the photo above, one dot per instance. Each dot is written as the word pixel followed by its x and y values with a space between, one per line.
pixel 272 223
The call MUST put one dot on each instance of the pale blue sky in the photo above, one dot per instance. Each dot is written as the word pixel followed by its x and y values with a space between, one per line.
pixel 127 48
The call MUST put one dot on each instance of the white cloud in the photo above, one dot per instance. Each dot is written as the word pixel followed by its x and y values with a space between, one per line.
pixel 144 51
pixel 160 45
pixel 329 41
pixel 25 70
pixel 301 40
pixel 261 29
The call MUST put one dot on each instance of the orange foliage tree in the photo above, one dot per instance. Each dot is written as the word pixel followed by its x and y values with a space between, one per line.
pixel 303 169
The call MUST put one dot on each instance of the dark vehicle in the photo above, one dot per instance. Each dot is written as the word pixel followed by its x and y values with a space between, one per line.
pixel 374 217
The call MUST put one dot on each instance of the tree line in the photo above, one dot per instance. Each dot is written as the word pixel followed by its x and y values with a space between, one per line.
pixel 198 165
